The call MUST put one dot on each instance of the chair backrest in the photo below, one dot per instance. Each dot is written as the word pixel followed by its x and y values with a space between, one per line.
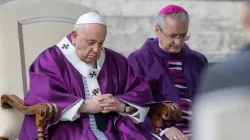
pixel 222 115
pixel 27 27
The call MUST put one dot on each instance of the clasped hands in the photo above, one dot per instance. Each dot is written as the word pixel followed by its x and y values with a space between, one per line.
pixel 104 103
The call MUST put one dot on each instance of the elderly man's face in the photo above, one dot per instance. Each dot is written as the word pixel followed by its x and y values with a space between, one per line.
pixel 89 42
pixel 172 36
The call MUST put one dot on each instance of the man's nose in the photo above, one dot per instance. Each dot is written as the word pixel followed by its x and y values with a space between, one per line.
pixel 178 41
pixel 96 48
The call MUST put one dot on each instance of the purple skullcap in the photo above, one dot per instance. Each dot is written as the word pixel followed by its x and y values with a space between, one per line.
pixel 172 9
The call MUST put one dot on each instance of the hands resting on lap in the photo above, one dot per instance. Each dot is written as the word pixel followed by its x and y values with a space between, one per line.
pixel 104 103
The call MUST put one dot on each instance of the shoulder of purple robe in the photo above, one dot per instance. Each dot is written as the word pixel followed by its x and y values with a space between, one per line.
pixel 141 59
pixel 199 62
pixel 133 88
pixel 47 81
pixel 137 61
pixel 201 59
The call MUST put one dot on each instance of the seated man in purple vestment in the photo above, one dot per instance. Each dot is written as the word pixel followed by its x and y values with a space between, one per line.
pixel 171 67
pixel 98 94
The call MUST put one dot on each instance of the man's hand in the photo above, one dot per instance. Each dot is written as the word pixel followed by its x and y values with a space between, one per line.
pixel 175 134
pixel 109 103
pixel 91 105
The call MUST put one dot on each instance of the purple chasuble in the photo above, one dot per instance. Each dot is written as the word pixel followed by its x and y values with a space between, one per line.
pixel 172 77
pixel 53 79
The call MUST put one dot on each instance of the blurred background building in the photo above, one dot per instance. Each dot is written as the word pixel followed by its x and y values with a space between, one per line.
pixel 214 25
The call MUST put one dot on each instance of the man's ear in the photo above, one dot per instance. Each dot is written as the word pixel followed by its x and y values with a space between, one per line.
pixel 73 36
pixel 157 30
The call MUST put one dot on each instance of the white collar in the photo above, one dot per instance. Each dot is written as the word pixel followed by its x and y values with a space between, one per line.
pixel 161 46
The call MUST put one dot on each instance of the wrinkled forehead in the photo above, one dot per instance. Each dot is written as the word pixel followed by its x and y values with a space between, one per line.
pixel 95 32
pixel 176 30
pixel 172 23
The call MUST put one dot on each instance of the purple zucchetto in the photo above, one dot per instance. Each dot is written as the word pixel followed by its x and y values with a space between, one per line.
pixel 172 9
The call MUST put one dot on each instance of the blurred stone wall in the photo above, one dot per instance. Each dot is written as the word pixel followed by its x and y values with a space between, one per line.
pixel 5 1
pixel 214 26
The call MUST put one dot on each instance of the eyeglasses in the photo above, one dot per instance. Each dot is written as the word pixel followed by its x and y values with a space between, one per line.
pixel 173 37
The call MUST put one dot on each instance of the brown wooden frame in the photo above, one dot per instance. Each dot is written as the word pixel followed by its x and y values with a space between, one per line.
pixel 42 111
pixel 4 139
pixel 47 111
pixel 161 112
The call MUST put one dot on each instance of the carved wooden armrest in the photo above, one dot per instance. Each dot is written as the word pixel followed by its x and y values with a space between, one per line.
pixel 43 111
pixel 163 112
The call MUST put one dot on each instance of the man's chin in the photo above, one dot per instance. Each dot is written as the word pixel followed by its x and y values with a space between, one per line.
pixel 174 51
pixel 91 60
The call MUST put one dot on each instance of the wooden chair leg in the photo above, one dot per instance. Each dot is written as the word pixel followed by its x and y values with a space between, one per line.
pixel 40 128
pixel 4 138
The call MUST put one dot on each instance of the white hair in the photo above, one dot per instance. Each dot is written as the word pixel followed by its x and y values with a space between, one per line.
pixel 160 21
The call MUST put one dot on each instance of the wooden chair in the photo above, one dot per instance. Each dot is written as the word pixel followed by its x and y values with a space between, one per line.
pixel 24 34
